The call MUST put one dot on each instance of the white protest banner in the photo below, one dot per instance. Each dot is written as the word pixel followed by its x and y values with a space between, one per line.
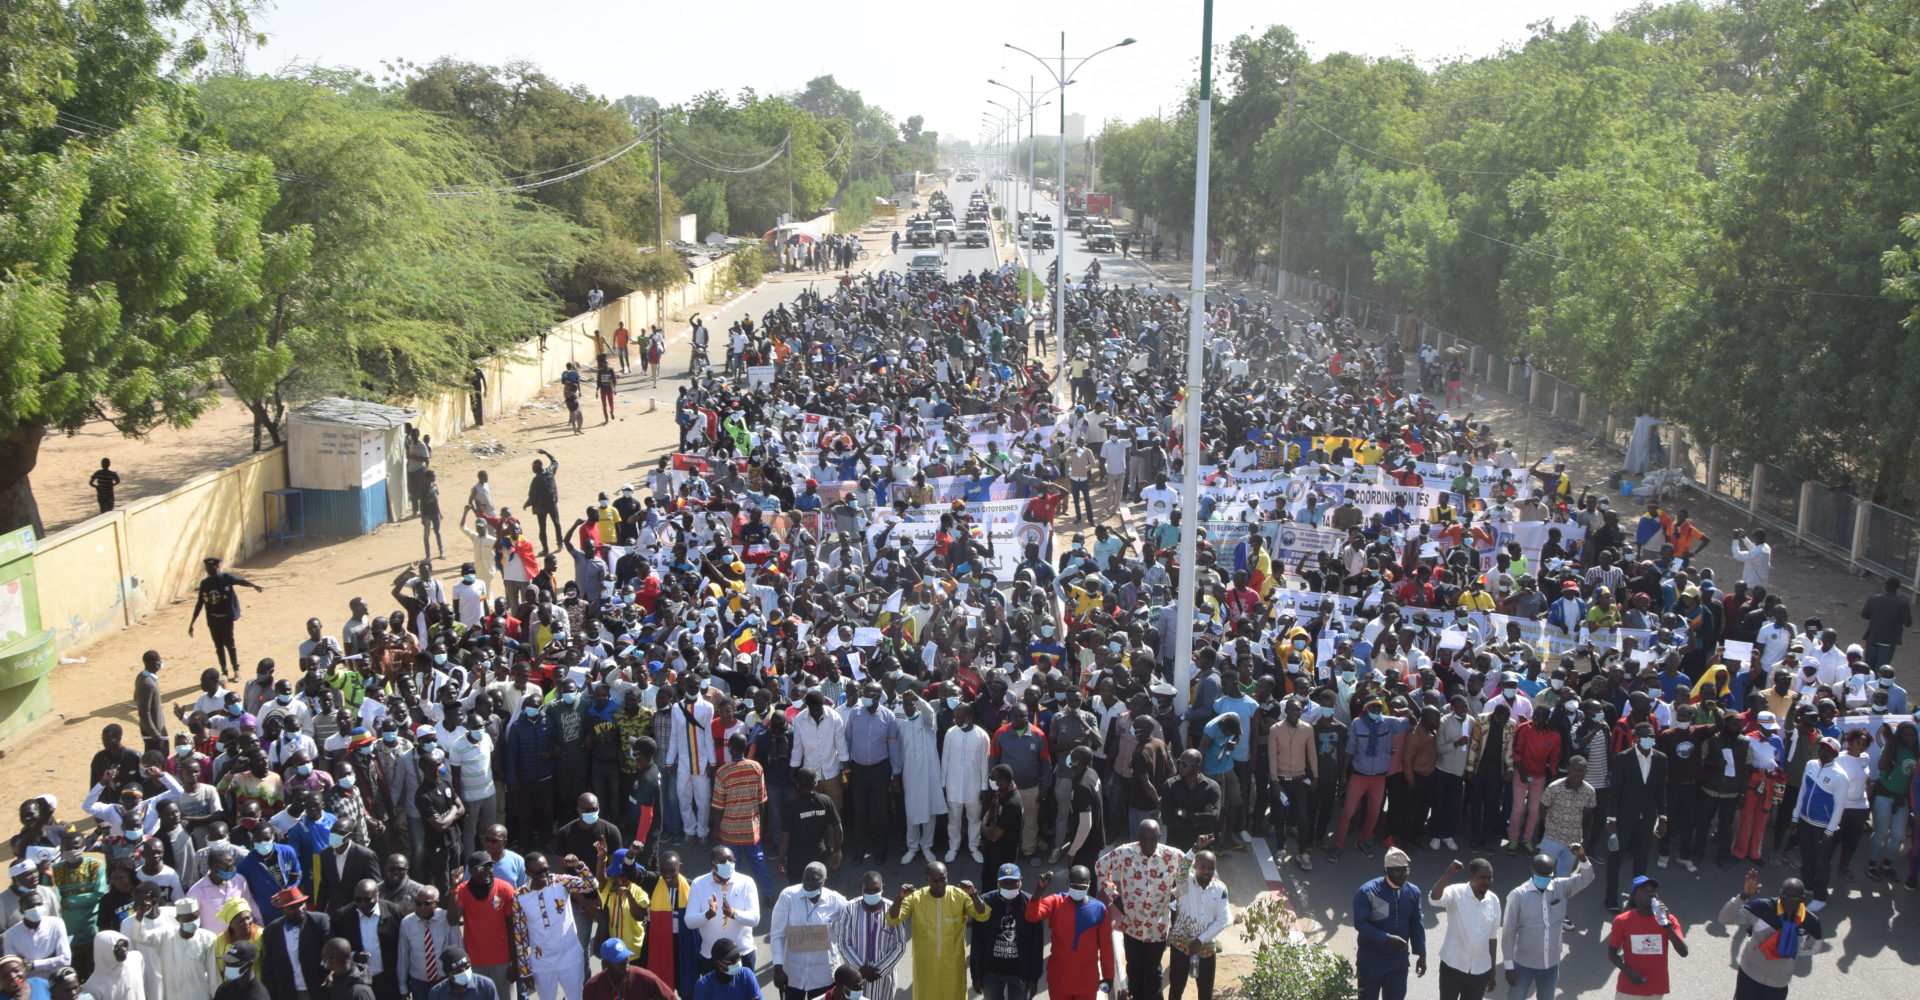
pixel 1292 541
pixel 759 377
pixel 1548 640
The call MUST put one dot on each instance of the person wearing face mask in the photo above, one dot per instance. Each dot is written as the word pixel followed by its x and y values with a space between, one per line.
pixel 1080 960
pixel 964 762
pixel 238 969
pixel 1534 920
pixel 37 933
pixel 1637 810
pixel 529 768
pixel 874 754
pixel 799 932
pixel 180 953
pixel 1007 954
pixel 730 978
pixel 870 945
pixel 221 884
pixel 371 926
pixel 1386 911
pixel 1369 750
pixel 461 981
pixel 724 906
pixel 1200 913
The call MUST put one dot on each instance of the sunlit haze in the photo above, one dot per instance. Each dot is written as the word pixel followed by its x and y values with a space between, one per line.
pixel 930 60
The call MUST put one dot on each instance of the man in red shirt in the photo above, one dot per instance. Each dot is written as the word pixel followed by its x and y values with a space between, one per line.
pixel 1536 757
pixel 1080 959
pixel 1640 939
pixel 482 907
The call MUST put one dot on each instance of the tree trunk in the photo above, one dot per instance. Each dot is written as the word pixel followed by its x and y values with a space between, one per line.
pixel 19 453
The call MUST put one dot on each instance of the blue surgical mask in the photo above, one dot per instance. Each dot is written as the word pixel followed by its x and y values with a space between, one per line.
pixel 533 713
pixel 1646 742
pixel 235 971
pixel 220 876
pixel 283 699
pixel 1374 714
pixel 1543 882
pixel 347 780
pixel 390 738
pixel 303 770
pixel 1077 895
pixel 953 702
pixel 872 898
pixel 464 977
pixel 440 659
pixel 810 893
pixel 569 698
pixel 335 840
pixel 855 994
pixel 590 818
pixel 263 847
pixel 723 870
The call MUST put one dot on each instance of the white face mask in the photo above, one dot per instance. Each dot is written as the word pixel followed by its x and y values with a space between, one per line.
pixel 1009 893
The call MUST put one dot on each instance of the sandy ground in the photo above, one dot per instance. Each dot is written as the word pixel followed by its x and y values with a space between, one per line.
pixel 148 466
pixel 318 580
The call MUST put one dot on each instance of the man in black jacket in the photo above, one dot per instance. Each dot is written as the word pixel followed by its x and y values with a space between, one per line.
pixel 346 976
pixel 291 946
pixel 372 926
pixel 1638 814
pixel 1007 946
pixel 1888 617
pixel 341 868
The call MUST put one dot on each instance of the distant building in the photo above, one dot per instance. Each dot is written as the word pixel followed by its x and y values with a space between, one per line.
pixel 1076 128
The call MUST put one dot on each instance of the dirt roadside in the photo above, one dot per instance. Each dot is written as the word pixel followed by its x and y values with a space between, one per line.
pixel 317 580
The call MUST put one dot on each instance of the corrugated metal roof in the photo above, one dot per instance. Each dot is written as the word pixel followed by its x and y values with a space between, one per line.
pixel 354 413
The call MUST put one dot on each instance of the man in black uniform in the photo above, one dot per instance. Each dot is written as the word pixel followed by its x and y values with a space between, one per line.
pixel 222 606
pixel 810 831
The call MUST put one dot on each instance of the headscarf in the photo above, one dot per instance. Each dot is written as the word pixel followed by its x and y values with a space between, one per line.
pixel 113 978
pixel 1716 676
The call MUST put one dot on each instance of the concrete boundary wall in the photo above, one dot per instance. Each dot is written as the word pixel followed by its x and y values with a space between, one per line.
pixel 111 570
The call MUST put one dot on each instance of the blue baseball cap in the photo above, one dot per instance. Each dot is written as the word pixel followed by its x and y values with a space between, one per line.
pixel 617 864
pixel 1640 880
pixel 614 950
pixel 1007 871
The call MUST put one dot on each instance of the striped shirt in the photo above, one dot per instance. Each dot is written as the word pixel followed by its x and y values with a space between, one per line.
pixel 739 788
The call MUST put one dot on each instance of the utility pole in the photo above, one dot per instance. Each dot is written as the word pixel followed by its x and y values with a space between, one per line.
pixel 790 175
pixel 659 192
pixel 1186 603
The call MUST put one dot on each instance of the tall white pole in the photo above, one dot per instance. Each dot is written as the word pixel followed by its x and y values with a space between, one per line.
pixel 1060 242
pixel 1185 608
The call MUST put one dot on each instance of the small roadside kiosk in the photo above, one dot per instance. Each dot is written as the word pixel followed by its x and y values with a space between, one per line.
pixel 26 649
pixel 348 460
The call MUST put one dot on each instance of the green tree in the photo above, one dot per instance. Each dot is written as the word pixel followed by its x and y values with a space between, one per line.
pixel 127 233
pixel 404 285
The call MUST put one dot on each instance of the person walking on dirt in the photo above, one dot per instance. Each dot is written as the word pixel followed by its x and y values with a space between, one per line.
pixel 543 497
pixel 216 597
pixel 605 380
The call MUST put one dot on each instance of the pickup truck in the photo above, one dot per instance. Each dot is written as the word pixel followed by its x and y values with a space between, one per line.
pixel 944 229
pixel 920 234
pixel 1099 237
pixel 977 233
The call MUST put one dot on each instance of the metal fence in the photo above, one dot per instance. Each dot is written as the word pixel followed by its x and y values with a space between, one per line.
pixel 1865 536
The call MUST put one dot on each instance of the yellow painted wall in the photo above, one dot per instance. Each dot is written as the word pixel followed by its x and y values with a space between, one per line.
pixel 109 571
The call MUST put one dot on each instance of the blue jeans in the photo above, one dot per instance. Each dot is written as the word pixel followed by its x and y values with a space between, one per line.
pixel 1562 858
pixel 1889 822
pixel 998 987
pixel 1539 982
pixel 754 860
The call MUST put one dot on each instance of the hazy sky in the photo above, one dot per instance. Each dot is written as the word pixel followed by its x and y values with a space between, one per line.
pixel 931 59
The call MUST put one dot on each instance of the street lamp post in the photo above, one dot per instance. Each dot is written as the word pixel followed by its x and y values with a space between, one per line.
pixel 1026 287
pixel 1185 606
pixel 1061 78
